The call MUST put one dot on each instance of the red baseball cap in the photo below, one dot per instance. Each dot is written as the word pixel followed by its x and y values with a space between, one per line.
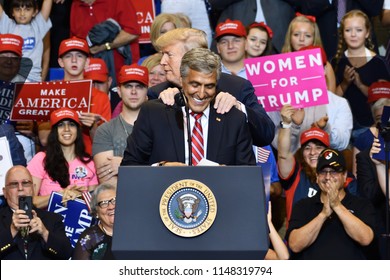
pixel 134 72
pixel 62 114
pixel 323 54
pixel 230 27
pixel 73 44
pixel 11 43
pixel 315 133
pixel 378 90
pixel 96 70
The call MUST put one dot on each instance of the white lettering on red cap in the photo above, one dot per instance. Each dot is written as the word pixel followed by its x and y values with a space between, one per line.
pixel 10 41
pixel 314 133
pixel 64 113
pixel 94 67
pixel 134 71
pixel 230 25
pixel 74 43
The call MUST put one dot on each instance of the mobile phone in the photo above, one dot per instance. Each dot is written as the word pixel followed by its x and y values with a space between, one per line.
pixel 25 203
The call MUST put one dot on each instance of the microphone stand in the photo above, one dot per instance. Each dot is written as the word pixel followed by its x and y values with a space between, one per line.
pixel 181 100
pixel 189 140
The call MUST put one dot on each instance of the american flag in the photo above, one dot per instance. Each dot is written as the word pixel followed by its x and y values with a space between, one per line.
pixel 262 155
pixel 87 198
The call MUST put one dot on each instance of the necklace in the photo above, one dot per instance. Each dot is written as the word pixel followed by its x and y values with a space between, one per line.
pixel 105 231
pixel 123 125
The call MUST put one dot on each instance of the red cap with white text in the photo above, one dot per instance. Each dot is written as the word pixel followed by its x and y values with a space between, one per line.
pixel 62 114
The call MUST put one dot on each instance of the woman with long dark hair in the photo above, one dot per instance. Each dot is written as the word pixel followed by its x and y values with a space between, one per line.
pixel 65 167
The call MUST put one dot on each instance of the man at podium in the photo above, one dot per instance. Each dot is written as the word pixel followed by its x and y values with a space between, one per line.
pixel 162 135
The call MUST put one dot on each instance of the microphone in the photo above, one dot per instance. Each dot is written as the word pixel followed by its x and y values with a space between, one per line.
pixel 180 101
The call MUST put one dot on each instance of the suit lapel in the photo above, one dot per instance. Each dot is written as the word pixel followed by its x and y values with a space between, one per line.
pixel 216 123
pixel 176 126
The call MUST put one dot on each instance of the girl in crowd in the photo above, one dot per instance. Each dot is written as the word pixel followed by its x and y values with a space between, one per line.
pixel 258 40
pixel 95 242
pixel 303 32
pixel 65 167
pixel 357 67
pixel 336 117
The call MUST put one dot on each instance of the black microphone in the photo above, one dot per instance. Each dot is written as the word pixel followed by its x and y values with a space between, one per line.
pixel 180 101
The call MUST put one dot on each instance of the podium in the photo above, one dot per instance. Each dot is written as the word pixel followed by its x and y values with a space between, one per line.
pixel 239 230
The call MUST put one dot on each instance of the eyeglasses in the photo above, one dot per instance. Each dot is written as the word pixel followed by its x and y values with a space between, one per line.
pixel 332 173
pixel 104 203
pixel 15 184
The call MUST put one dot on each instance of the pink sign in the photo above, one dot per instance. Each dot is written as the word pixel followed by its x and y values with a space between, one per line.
pixel 295 78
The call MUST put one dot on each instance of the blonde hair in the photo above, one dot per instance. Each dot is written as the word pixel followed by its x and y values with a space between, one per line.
pixel 159 21
pixel 301 18
pixel 342 46
pixel 152 61
pixel 185 20
pixel 190 37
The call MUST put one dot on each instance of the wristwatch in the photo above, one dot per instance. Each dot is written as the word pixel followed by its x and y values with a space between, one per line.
pixel 108 47
pixel 285 125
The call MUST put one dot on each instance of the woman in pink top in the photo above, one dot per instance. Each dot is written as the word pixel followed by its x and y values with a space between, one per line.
pixel 65 167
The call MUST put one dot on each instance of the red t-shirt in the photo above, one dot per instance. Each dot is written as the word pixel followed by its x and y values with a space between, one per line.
pixel 83 17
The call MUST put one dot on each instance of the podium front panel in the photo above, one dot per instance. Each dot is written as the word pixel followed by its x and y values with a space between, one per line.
pixel 240 229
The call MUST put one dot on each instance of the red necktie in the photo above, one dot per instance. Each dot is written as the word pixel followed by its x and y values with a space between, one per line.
pixel 197 140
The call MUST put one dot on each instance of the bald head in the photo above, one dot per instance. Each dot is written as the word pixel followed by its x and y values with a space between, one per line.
pixel 18 182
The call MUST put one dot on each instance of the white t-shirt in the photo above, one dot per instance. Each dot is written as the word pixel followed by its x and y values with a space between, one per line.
pixel 386 5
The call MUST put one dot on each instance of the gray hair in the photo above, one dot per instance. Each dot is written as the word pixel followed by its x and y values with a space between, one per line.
pixel 99 189
pixel 200 60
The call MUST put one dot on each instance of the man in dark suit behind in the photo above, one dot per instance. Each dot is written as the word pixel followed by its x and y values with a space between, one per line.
pixel 232 91
pixel 159 134
pixel 46 238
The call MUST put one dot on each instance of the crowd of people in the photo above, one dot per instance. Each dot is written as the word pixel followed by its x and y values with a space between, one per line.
pixel 187 97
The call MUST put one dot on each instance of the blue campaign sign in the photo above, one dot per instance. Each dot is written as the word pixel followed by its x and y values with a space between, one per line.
pixel 6 100
pixel 385 123
pixel 76 215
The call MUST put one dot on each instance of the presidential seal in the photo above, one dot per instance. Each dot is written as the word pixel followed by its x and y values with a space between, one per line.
pixel 188 208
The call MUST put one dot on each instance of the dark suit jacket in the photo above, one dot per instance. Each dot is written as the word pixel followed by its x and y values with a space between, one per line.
pixel 57 246
pixel 368 186
pixel 261 126
pixel 277 13
pixel 158 135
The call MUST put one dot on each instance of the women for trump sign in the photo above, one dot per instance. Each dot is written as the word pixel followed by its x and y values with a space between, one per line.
pixel 295 78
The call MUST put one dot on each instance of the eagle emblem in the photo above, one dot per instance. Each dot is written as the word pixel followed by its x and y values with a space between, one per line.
pixel 188 205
